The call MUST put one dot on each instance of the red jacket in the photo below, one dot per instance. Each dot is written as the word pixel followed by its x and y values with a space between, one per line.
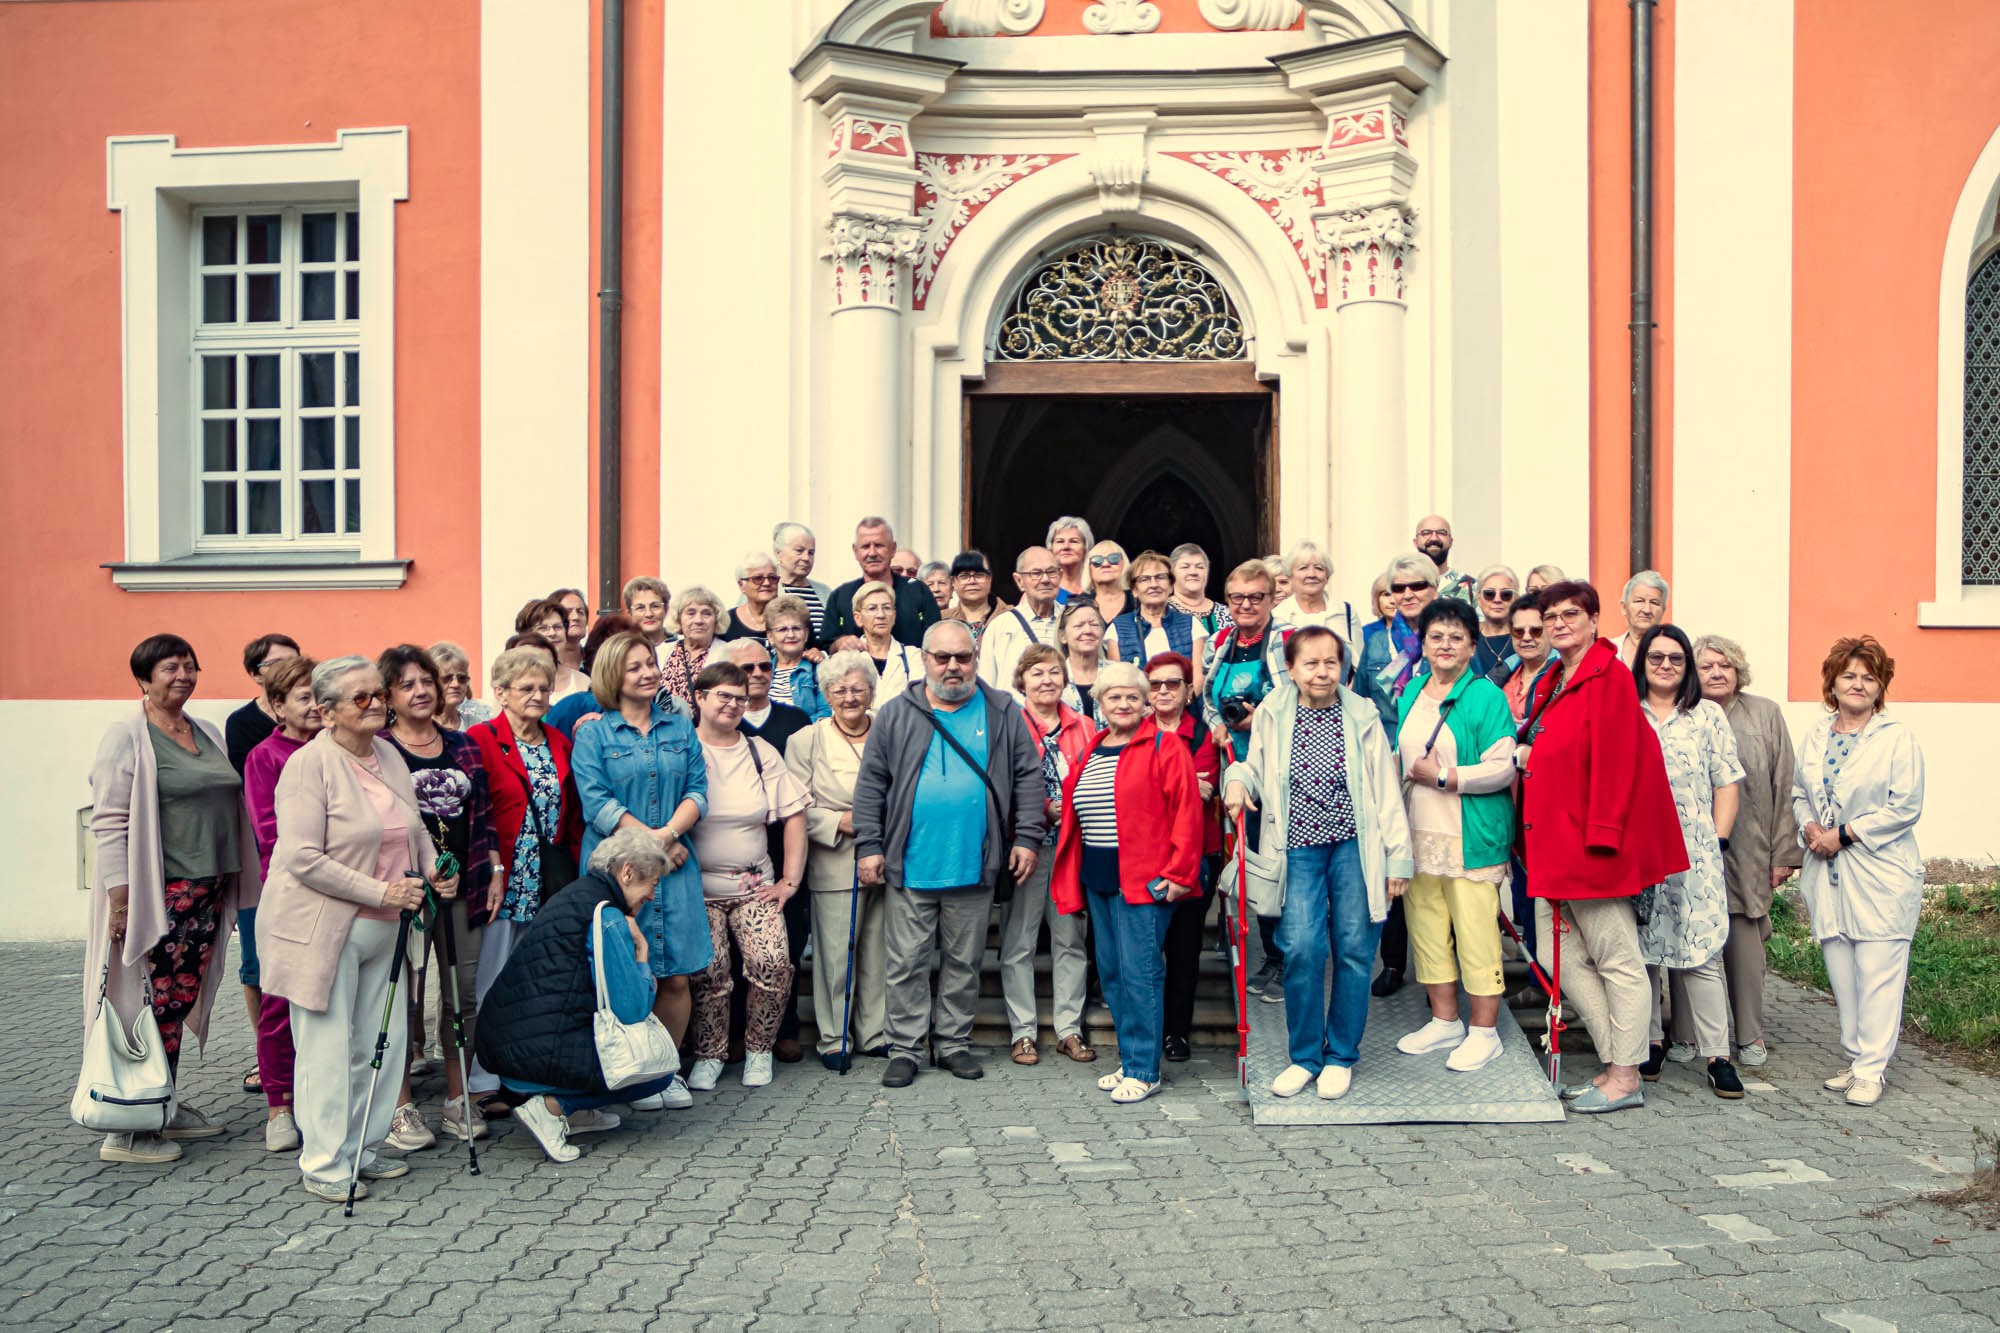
pixel 1074 732
pixel 1159 822
pixel 508 778
pixel 1597 811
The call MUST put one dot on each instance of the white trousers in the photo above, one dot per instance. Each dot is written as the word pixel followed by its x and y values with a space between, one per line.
pixel 1021 920
pixel 1707 998
pixel 1868 978
pixel 496 943
pixel 334 1047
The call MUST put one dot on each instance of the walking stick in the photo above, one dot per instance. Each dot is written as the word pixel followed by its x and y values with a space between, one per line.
pixel 847 986
pixel 403 921
pixel 448 943
pixel 1550 982
pixel 1239 955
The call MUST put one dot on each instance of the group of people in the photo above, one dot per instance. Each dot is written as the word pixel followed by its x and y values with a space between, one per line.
pixel 874 766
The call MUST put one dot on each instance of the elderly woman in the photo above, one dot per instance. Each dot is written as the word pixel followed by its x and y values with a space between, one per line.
pixel 796 550
pixel 1322 778
pixel 1309 570
pixel 1495 591
pixel 1383 606
pixel 1080 634
pixel 548 618
pixel 175 863
pixel 242 732
pixel 576 624
pixel 1062 738
pixel 849 963
pixel 534 806
pixel 1857 794
pixel 1131 839
pixel 572 712
pixel 749 788
pixel 757 580
pixel 1541 576
pixel 457 708
pixel 1763 849
pixel 538 1030
pixel 1394 658
pixel 1455 739
pixel 1598 825
pixel 453 793
pixel 972 593
pixel 1169 691
pixel 936 575
pixel 1190 564
pixel 1685 920
pixel 897 665
pixel 699 620
pixel 794 676
pixel 352 855
pixel 639 766
pixel 1069 539
pixel 1108 589
pixel 1530 653
pixel 646 600
pixel 1281 576
pixel 1155 625
pixel 1644 604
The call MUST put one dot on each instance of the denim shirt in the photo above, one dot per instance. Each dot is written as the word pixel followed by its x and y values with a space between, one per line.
pixel 805 691
pixel 620 772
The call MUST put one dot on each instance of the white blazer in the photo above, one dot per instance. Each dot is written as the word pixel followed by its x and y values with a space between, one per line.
pixel 1878 794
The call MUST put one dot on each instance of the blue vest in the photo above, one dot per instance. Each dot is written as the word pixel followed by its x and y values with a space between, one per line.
pixel 1131 632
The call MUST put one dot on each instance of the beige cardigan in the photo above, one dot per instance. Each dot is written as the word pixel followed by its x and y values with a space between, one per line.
pixel 830 853
pixel 323 867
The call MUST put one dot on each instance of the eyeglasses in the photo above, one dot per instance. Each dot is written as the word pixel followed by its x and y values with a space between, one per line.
pixel 1433 532
pixel 1157 685
pixel 1666 659
pixel 1527 632
pixel 1106 561
pixel 1497 594
pixel 849 692
pixel 1153 578
pixel 647 608
pixel 532 691
pixel 1441 640
pixel 1048 572
pixel 949 659
pixel 1400 588
pixel 1245 598
pixel 973 574
pixel 759 578
pixel 1568 615
pixel 786 629
pixel 456 678
pixel 721 700
pixel 366 699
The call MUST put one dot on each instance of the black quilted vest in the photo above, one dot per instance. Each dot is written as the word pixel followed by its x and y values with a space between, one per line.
pixel 535 1025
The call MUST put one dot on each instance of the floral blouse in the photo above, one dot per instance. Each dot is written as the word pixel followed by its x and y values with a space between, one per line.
pixel 1690 919
pixel 524 877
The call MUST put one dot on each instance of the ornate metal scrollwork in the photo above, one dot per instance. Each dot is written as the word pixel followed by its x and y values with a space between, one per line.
pixel 1981 532
pixel 1121 298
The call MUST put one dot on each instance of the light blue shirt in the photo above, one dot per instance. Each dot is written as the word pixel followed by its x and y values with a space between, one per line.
pixel 947 847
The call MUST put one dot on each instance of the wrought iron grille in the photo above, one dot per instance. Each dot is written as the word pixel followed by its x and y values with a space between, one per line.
pixel 1121 298
pixel 1982 425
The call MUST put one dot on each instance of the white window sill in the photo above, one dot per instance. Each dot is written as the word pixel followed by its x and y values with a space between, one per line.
pixel 234 573
pixel 1981 610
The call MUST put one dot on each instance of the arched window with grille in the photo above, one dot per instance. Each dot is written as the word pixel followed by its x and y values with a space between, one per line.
pixel 1980 527
pixel 1120 298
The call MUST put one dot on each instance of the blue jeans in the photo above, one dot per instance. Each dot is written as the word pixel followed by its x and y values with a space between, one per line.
pixel 1134 977
pixel 246 937
pixel 1326 912
pixel 590 1101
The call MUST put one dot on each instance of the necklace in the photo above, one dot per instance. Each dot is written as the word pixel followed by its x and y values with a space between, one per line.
pixel 179 726
pixel 849 737
pixel 435 742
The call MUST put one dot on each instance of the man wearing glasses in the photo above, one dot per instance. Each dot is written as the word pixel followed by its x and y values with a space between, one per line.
pixel 1434 540
pixel 1009 633
pixel 948 804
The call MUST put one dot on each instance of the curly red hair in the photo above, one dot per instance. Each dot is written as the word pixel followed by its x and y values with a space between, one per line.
pixel 1867 650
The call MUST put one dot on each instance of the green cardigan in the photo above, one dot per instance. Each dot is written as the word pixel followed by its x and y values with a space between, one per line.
pixel 1479 719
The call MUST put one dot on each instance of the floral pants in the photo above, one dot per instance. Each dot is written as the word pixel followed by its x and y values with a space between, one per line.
pixel 179 962
pixel 758 929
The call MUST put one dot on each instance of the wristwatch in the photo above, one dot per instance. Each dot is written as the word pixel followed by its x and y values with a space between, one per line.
pixel 1846 838
pixel 1443 778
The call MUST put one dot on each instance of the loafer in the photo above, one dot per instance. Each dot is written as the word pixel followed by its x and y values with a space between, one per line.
pixel 1656 1060
pixel 1334 1081
pixel 1595 1102
pixel 901 1073
pixel 1723 1080
pixel 1387 982
pixel 1025 1053
pixel 1291 1081
pixel 787 1051
pixel 1575 1090
pixel 961 1064
pixel 1073 1047
pixel 1176 1049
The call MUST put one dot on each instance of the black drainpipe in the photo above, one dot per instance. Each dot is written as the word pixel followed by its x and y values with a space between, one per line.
pixel 610 305
pixel 1641 326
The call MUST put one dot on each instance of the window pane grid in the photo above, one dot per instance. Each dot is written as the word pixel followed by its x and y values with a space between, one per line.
pixel 1980 530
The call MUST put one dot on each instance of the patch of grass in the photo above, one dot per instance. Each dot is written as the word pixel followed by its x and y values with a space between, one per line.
pixel 1954 992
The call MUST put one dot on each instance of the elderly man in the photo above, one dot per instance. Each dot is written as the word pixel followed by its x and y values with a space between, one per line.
pixel 1032 621
pixel 1645 605
pixel 906 563
pixel 1434 540
pixel 874 548
pixel 795 548
pixel 949 800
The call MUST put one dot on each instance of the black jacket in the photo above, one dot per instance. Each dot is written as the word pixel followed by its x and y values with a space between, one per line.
pixel 916 608
pixel 535 1023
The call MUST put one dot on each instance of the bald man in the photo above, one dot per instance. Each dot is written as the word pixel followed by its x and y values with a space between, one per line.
pixel 1032 620
pixel 1434 540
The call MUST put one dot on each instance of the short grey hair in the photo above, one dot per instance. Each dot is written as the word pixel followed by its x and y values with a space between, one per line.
pixel 1066 523
pixel 938 627
pixel 515 663
pixel 1731 650
pixel 839 666
pixel 930 567
pixel 1186 549
pixel 869 589
pixel 1412 565
pixel 1304 551
pixel 629 846
pixel 326 677
pixel 1646 578
pixel 696 595
pixel 784 532
pixel 877 521
pixel 754 560
pixel 1118 675
pixel 448 654
pixel 1512 579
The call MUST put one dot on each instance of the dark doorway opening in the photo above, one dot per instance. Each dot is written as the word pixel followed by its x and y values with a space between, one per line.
pixel 1148 469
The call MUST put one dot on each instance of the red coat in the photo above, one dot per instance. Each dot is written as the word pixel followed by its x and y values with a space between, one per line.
pixel 1074 732
pixel 507 777
pixel 1159 822
pixel 1597 811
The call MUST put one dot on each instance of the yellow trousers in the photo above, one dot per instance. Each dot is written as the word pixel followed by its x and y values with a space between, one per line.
pixel 1442 912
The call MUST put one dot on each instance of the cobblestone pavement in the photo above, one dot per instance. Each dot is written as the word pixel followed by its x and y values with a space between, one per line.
pixel 1023 1201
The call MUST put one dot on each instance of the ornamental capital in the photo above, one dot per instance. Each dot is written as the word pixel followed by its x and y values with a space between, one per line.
pixel 1369 250
pixel 868 252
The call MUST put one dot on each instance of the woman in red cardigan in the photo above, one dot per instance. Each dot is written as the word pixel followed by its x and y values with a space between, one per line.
pixel 1131 838
pixel 521 755
pixel 1598 826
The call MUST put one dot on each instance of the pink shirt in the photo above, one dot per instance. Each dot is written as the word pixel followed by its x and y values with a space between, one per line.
pixel 392 862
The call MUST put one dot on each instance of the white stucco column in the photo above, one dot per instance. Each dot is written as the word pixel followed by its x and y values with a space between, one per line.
pixel 858 455
pixel 1369 250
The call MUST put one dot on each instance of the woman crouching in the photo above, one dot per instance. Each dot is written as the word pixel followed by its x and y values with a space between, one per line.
pixel 535 1028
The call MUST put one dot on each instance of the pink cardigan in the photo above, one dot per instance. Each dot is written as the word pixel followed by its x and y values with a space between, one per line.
pixel 323 868
pixel 125 821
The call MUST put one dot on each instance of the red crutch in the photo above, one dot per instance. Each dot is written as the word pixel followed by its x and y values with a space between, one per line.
pixel 1550 981
pixel 1239 955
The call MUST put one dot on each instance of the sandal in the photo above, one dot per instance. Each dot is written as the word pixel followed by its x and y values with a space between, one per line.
pixel 1132 1090
pixel 1110 1082
pixel 1024 1052
pixel 253 1081
pixel 1073 1047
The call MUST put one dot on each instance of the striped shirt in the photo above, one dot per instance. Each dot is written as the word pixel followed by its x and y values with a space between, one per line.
pixel 814 606
pixel 1097 819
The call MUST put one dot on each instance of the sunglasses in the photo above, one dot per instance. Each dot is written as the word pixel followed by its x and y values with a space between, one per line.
pixel 1157 685
pixel 1666 659
pixel 1400 588
pixel 1497 594
pixel 951 659
pixel 1106 561
pixel 760 578
pixel 1523 632
pixel 457 678
pixel 366 699
pixel 756 667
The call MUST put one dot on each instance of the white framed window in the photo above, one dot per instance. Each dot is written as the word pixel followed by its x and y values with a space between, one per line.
pixel 259 360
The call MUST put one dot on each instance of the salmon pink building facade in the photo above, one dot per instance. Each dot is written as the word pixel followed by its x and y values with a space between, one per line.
pixel 303 321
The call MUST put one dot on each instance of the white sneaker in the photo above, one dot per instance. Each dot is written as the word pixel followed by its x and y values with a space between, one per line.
pixel 1753 1056
pixel 1864 1091
pixel 281 1133
pixel 756 1068
pixel 551 1131
pixel 1840 1082
pixel 319 1189
pixel 455 1112
pixel 592 1121
pixel 1334 1081
pixel 676 1097
pixel 1682 1053
pixel 144 1149
pixel 1480 1048
pixel 407 1130
pixel 1436 1035
pixel 1292 1081
pixel 705 1075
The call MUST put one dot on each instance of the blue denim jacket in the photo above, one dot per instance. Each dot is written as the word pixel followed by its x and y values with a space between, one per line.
pixel 805 691
pixel 619 772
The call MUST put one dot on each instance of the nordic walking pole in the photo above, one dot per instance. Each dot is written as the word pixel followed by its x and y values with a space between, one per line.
pixel 847 987
pixel 448 943
pixel 1239 949
pixel 403 920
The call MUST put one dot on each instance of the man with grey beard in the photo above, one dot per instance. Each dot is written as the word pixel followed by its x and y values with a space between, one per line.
pixel 948 803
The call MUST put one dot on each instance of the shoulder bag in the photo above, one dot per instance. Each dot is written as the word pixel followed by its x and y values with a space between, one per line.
pixel 125 1086
pixel 1003 879
pixel 627 1053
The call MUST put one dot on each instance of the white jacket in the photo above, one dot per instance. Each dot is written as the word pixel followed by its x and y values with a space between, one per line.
pixel 1878 794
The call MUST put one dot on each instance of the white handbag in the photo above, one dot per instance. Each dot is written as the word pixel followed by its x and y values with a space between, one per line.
pixel 1263 884
pixel 125 1086
pixel 627 1053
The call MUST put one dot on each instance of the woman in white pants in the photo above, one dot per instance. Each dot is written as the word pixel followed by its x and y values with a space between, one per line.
pixel 1857 795
pixel 350 841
